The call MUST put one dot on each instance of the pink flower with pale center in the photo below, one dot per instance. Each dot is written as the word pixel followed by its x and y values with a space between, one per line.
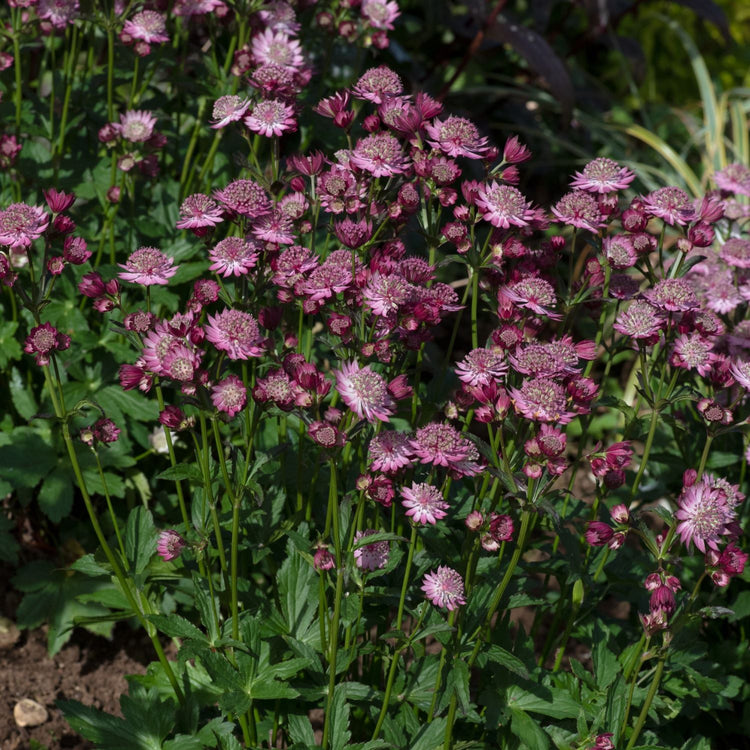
pixel 43 340
pixel 148 266
pixel 603 175
pixel 236 333
pixel 424 503
pixel 228 109
pixel 170 545
pixel 271 117
pixel 541 400
pixel 136 125
pixel 198 211
pixel 482 367
pixel 378 85
pixel 444 588
pixel 370 556
pixel 639 320
pixel 277 48
pixel 672 204
pixel 246 198
pixel 703 514
pixel 456 136
pixel 385 293
pixel 147 26
pixel 365 392
pixel 380 13
pixel 390 451
pixel 21 224
pixel 233 256
pixel 229 395
pixel 59 13
pixel 379 154
pixel 734 178
pixel 504 206
pixel 579 209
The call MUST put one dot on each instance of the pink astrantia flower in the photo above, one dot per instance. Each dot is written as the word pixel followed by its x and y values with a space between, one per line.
pixel 21 224
pixel 188 8
pixel 364 392
pixel 379 154
pixel 380 14
pixel 456 136
pixel 703 513
pixel 579 209
pixel 736 252
pixel 640 321
pixel 271 117
pixel 148 266
pixel 385 293
pixel 620 251
pixel 533 293
pixel 691 351
pixel 672 204
pixel 741 373
pixel 229 395
pixel 198 211
pixel 603 175
pixel 441 444
pixel 43 340
pixel 371 556
pixel 236 333
pixel 504 206
pixel 59 13
pixel 444 588
pixel 170 545
pixel 228 109
pixel 672 295
pixel 277 48
pixel 390 451
pixel 541 400
pixel 424 503
pixel 233 256
pixel 378 85
pixel 136 125
pixel 734 178
pixel 246 198
pixel 482 367
pixel 147 26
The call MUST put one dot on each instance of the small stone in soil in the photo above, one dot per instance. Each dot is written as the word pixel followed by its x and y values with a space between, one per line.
pixel 9 633
pixel 29 713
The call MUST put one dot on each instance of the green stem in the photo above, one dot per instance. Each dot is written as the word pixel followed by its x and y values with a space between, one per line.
pixel 655 680
pixel 646 451
pixel 110 508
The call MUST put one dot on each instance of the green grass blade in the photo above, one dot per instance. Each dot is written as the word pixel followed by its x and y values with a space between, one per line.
pixel 740 134
pixel 669 155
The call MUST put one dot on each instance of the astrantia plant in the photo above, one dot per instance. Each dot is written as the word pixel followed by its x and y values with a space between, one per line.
pixel 382 404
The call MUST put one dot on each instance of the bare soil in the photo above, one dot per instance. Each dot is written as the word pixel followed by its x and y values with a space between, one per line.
pixel 89 669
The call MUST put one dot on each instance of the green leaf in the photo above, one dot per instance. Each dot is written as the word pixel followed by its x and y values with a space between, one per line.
pixel 8 544
pixel 555 703
pixel 431 736
pixel 20 393
pixel 177 627
pixel 27 459
pixel 606 666
pixel 528 731
pixel 56 494
pixel 132 403
pixel 9 347
pixel 615 713
pixel 506 659
pixel 297 594
pixel 140 538
pixel 300 730
pixel 458 682
pixel 339 719
pixel 182 471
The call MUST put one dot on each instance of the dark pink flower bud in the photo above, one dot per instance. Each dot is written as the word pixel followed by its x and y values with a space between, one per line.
pixel 662 598
pixel 63 224
pixel 620 514
pixel 689 477
pixel 172 417
pixel 501 527
pixel 106 431
pixel 371 123
pixel 270 317
pixel 701 234
pixel 614 478
pixel 733 560
pixel 109 132
pixel 598 533
pixel 515 152
pixel 58 201
pixel 326 434
pixel 75 250
pixel 170 545
pixel 617 540
pixel 113 194
pixel 399 388
pixel 323 559
pixel 56 265
pixel 652 582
